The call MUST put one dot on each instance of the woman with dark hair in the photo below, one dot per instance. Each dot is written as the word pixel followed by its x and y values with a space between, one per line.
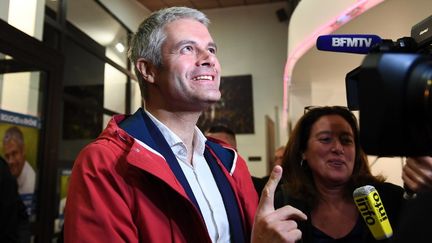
pixel 323 164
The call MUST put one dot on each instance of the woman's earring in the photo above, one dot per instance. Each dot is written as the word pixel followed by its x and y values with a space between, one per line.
pixel 301 163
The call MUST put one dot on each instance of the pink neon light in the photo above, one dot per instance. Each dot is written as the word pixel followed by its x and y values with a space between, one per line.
pixel 347 15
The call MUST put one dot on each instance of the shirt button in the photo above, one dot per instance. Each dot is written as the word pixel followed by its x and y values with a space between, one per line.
pixel 137 150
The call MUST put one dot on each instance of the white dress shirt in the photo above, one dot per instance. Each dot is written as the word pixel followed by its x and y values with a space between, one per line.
pixel 26 180
pixel 201 181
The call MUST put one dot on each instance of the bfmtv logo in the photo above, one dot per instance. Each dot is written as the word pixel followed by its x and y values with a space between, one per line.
pixel 351 42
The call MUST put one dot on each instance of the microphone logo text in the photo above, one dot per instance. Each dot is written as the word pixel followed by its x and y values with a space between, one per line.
pixel 351 42
pixel 368 213
pixel 366 210
pixel 379 207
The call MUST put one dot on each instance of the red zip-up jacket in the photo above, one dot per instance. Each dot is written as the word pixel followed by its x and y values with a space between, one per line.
pixel 121 191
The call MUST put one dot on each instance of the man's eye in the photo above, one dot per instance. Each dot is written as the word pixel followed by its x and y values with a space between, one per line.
pixel 212 50
pixel 186 49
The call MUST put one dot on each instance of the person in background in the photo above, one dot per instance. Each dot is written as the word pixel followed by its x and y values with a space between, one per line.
pixel 323 165
pixel 12 210
pixel 228 136
pixel 14 152
pixel 222 133
pixel 278 156
pixel 153 176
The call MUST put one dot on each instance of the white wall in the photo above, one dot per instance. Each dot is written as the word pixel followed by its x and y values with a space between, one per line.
pixel 28 17
pixel 130 12
pixel 319 77
pixel 251 40
pixel 310 15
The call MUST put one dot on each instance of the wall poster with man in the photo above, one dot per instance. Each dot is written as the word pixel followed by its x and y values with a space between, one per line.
pixel 19 147
pixel 234 109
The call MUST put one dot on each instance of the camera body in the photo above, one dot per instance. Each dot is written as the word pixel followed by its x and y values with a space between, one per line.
pixel 392 89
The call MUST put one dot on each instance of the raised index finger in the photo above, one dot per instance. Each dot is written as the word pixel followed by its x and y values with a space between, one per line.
pixel 266 203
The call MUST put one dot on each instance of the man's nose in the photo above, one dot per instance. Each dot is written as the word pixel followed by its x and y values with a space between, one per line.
pixel 206 58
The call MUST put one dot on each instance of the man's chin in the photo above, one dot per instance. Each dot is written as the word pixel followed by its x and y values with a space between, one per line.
pixel 214 97
pixel 204 105
pixel 213 100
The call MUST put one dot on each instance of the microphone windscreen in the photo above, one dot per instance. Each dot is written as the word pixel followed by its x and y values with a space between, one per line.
pixel 372 210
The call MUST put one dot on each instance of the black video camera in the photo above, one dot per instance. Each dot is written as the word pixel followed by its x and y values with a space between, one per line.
pixel 392 89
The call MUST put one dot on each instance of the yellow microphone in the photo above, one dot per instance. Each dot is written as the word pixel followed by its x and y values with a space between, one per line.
pixel 372 210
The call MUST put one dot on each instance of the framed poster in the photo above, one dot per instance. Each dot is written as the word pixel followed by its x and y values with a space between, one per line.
pixel 234 109
pixel 19 135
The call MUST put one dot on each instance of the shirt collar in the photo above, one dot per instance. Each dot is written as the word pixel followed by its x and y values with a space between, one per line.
pixel 173 140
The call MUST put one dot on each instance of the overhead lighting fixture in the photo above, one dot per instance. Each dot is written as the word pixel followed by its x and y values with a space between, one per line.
pixel 120 47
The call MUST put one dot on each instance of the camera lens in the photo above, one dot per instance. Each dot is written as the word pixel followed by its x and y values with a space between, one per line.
pixel 394 97
pixel 419 90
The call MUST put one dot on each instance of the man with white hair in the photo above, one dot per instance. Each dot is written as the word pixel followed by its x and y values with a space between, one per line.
pixel 14 154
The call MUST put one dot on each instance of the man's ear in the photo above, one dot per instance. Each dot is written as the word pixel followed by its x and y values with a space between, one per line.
pixel 146 69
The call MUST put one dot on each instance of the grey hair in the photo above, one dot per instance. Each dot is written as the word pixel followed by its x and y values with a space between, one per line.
pixel 147 41
pixel 13 133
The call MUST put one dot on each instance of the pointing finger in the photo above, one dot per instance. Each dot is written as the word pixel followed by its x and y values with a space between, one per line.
pixel 266 203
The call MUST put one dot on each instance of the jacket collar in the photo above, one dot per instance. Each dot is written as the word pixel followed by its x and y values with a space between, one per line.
pixel 166 167
pixel 142 128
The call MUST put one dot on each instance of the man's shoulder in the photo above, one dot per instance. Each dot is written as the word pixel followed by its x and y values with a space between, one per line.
pixel 28 174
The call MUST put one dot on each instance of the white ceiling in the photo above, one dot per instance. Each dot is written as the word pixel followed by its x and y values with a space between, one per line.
pixel 154 5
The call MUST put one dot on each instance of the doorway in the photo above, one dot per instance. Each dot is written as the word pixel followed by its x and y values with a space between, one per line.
pixel 30 98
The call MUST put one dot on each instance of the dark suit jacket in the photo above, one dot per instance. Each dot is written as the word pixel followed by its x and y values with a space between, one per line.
pixel 415 221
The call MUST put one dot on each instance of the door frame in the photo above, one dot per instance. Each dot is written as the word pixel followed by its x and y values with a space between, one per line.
pixel 34 53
